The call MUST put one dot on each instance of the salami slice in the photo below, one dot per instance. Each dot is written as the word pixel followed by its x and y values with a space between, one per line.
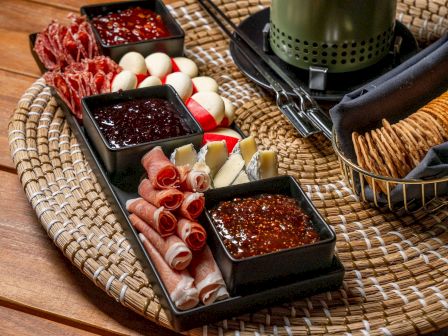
pixel 161 172
pixel 170 199
pixel 176 254
pixel 192 233
pixel 159 219
pixel 180 285
pixel 192 206
pixel 207 277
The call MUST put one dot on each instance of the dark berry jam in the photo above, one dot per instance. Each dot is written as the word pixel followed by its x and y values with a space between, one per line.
pixel 134 24
pixel 262 224
pixel 139 121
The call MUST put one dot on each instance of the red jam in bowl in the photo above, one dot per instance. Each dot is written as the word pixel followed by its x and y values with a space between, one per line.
pixel 134 24
pixel 139 121
pixel 262 224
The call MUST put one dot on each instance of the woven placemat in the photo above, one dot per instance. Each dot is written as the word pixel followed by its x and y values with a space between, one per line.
pixel 396 280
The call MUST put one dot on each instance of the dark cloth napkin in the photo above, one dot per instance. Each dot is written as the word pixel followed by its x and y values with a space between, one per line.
pixel 394 96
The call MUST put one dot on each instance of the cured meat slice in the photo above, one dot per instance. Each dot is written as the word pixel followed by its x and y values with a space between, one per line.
pixel 176 254
pixel 81 79
pixel 207 277
pixel 196 180
pixel 192 233
pixel 180 285
pixel 159 219
pixel 170 199
pixel 192 205
pixel 161 172
pixel 59 45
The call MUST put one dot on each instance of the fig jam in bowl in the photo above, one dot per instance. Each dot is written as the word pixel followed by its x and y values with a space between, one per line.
pixel 264 232
pixel 141 26
pixel 125 125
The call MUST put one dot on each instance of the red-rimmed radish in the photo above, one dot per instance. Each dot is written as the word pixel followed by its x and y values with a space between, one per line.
pixel 205 83
pixel 207 108
pixel 186 65
pixel 134 62
pixel 181 83
pixel 158 64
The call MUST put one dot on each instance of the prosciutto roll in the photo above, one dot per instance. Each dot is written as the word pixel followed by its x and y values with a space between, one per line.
pixel 192 233
pixel 196 180
pixel 192 205
pixel 176 254
pixel 170 198
pixel 207 277
pixel 162 173
pixel 180 285
pixel 159 219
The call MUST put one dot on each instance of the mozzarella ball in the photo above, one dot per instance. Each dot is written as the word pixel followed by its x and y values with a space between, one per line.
pixel 134 62
pixel 230 136
pixel 150 81
pixel 204 83
pixel 125 80
pixel 181 83
pixel 158 64
pixel 187 66
pixel 229 113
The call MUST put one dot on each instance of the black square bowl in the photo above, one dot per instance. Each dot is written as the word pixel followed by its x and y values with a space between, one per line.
pixel 125 161
pixel 172 45
pixel 246 275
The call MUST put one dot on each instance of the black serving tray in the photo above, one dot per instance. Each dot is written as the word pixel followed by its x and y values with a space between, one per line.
pixel 118 193
pixel 32 40
pixel 248 275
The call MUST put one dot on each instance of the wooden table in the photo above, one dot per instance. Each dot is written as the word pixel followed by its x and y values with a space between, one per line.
pixel 41 293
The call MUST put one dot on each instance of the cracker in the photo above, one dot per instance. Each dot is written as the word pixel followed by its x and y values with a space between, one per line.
pixel 396 156
pixel 429 125
pixel 408 143
pixel 385 154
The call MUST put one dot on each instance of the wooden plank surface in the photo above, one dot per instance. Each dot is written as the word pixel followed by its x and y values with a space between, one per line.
pixel 41 293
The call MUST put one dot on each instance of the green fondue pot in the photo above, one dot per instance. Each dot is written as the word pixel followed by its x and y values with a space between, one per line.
pixel 341 35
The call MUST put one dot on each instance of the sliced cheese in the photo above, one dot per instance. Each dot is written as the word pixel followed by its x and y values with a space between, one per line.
pixel 229 171
pixel 214 154
pixel 241 178
pixel 184 155
pixel 247 148
pixel 264 164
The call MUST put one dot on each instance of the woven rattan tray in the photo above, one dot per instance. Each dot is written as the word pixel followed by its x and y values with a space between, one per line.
pixel 396 267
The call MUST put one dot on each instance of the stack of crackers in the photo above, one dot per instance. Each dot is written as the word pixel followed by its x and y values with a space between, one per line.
pixel 394 150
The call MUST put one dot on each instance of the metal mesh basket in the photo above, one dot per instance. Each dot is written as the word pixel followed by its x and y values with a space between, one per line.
pixel 426 193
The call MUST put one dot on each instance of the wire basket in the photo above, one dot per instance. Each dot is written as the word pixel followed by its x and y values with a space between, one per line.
pixel 426 193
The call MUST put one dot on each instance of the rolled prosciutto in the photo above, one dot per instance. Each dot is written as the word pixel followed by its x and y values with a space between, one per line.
pixel 159 219
pixel 170 198
pixel 192 205
pixel 180 285
pixel 162 173
pixel 192 233
pixel 176 254
pixel 195 180
pixel 207 277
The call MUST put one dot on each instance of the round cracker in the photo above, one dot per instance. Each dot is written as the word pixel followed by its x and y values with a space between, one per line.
pixel 407 142
pixel 396 155
pixel 386 155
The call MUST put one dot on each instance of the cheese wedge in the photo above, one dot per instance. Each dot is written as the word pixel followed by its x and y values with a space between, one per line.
pixel 247 148
pixel 214 154
pixel 264 164
pixel 241 178
pixel 184 155
pixel 229 171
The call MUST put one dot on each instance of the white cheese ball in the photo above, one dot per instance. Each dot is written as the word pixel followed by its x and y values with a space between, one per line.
pixel 204 83
pixel 150 81
pixel 158 64
pixel 181 83
pixel 212 102
pixel 187 66
pixel 229 112
pixel 134 62
pixel 125 80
